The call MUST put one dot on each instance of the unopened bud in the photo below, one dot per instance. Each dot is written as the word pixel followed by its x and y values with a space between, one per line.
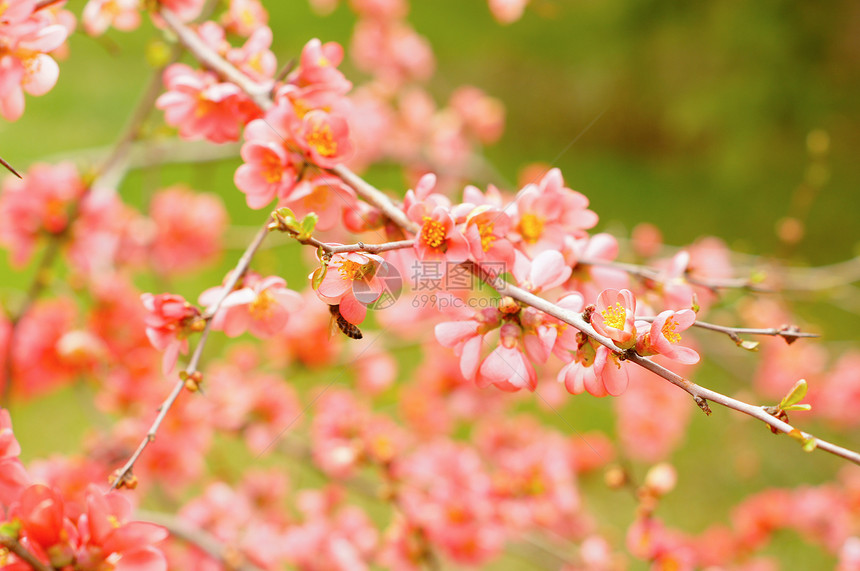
pixel 661 478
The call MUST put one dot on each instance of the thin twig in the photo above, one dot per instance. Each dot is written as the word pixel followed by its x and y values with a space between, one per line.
pixel 788 332
pixel 377 198
pixel 257 92
pixel 107 175
pixel 123 474
pixel 45 4
pixel 656 275
pixel 15 547
pixel 9 167
pixel 230 558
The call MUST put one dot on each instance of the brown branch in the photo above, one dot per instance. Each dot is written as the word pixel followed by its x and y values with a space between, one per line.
pixel 45 4
pixel 123 475
pixel 655 275
pixel 790 333
pixel 379 199
pixel 257 92
pixel 229 556
pixel 108 172
pixel 13 545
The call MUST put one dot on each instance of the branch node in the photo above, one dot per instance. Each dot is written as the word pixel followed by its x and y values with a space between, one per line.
pixel 703 404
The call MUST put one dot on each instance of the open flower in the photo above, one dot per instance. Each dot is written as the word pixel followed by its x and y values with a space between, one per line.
pixel 344 270
pixel 439 239
pixel 261 306
pixel 615 317
pixel 665 334
pixel 597 371
pixel 507 366
pixel 169 321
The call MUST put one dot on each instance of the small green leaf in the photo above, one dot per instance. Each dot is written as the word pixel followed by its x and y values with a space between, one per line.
pixel 285 212
pixel 10 528
pixel 309 222
pixel 749 345
pixel 797 407
pixel 809 445
pixel 795 395
pixel 318 276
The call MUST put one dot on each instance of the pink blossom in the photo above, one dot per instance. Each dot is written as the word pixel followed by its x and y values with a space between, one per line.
pixel 27 38
pixel 615 317
pixel 486 231
pixel 40 202
pixel 261 306
pixel 99 15
pixel 169 321
pixel 546 271
pixel 203 107
pixel 600 375
pixel 591 279
pixel 188 229
pixel 326 196
pixel 664 335
pixel 270 169
pixel 483 116
pixel 507 366
pixel 324 138
pixel 466 339
pixel 244 16
pixel 548 211
pixel 186 10
pixel 337 287
pixel 255 58
pixel 392 51
pixel 507 11
pixel 439 239
pixel 318 68
pixel 644 435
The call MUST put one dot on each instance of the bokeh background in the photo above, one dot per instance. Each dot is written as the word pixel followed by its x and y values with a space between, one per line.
pixel 734 119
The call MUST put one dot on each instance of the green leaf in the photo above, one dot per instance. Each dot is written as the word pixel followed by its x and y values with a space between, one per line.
pixel 318 276
pixel 795 395
pixel 10 528
pixel 309 222
pixel 809 445
pixel 749 345
pixel 285 212
pixel 797 407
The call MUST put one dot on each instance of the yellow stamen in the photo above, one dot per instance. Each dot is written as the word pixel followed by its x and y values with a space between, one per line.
pixel 261 307
pixel 669 330
pixel 321 139
pixel 614 316
pixel 433 233
pixel 487 236
pixel 273 170
pixel 530 227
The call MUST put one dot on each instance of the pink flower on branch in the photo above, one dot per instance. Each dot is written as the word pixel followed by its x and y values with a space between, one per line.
pixel 664 335
pixel 261 306
pixel 439 238
pixel 169 321
pixel 615 317
pixel 201 106
pixel 596 370
pixel 342 273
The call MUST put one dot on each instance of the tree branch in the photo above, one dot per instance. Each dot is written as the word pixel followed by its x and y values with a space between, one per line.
pixel 231 558
pixel 122 477
pixel 379 199
pixel 13 545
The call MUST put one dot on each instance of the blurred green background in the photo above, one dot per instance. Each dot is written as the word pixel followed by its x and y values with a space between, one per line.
pixel 719 118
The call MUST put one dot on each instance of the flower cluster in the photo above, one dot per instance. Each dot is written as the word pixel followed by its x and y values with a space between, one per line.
pixel 28 35
pixel 92 531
